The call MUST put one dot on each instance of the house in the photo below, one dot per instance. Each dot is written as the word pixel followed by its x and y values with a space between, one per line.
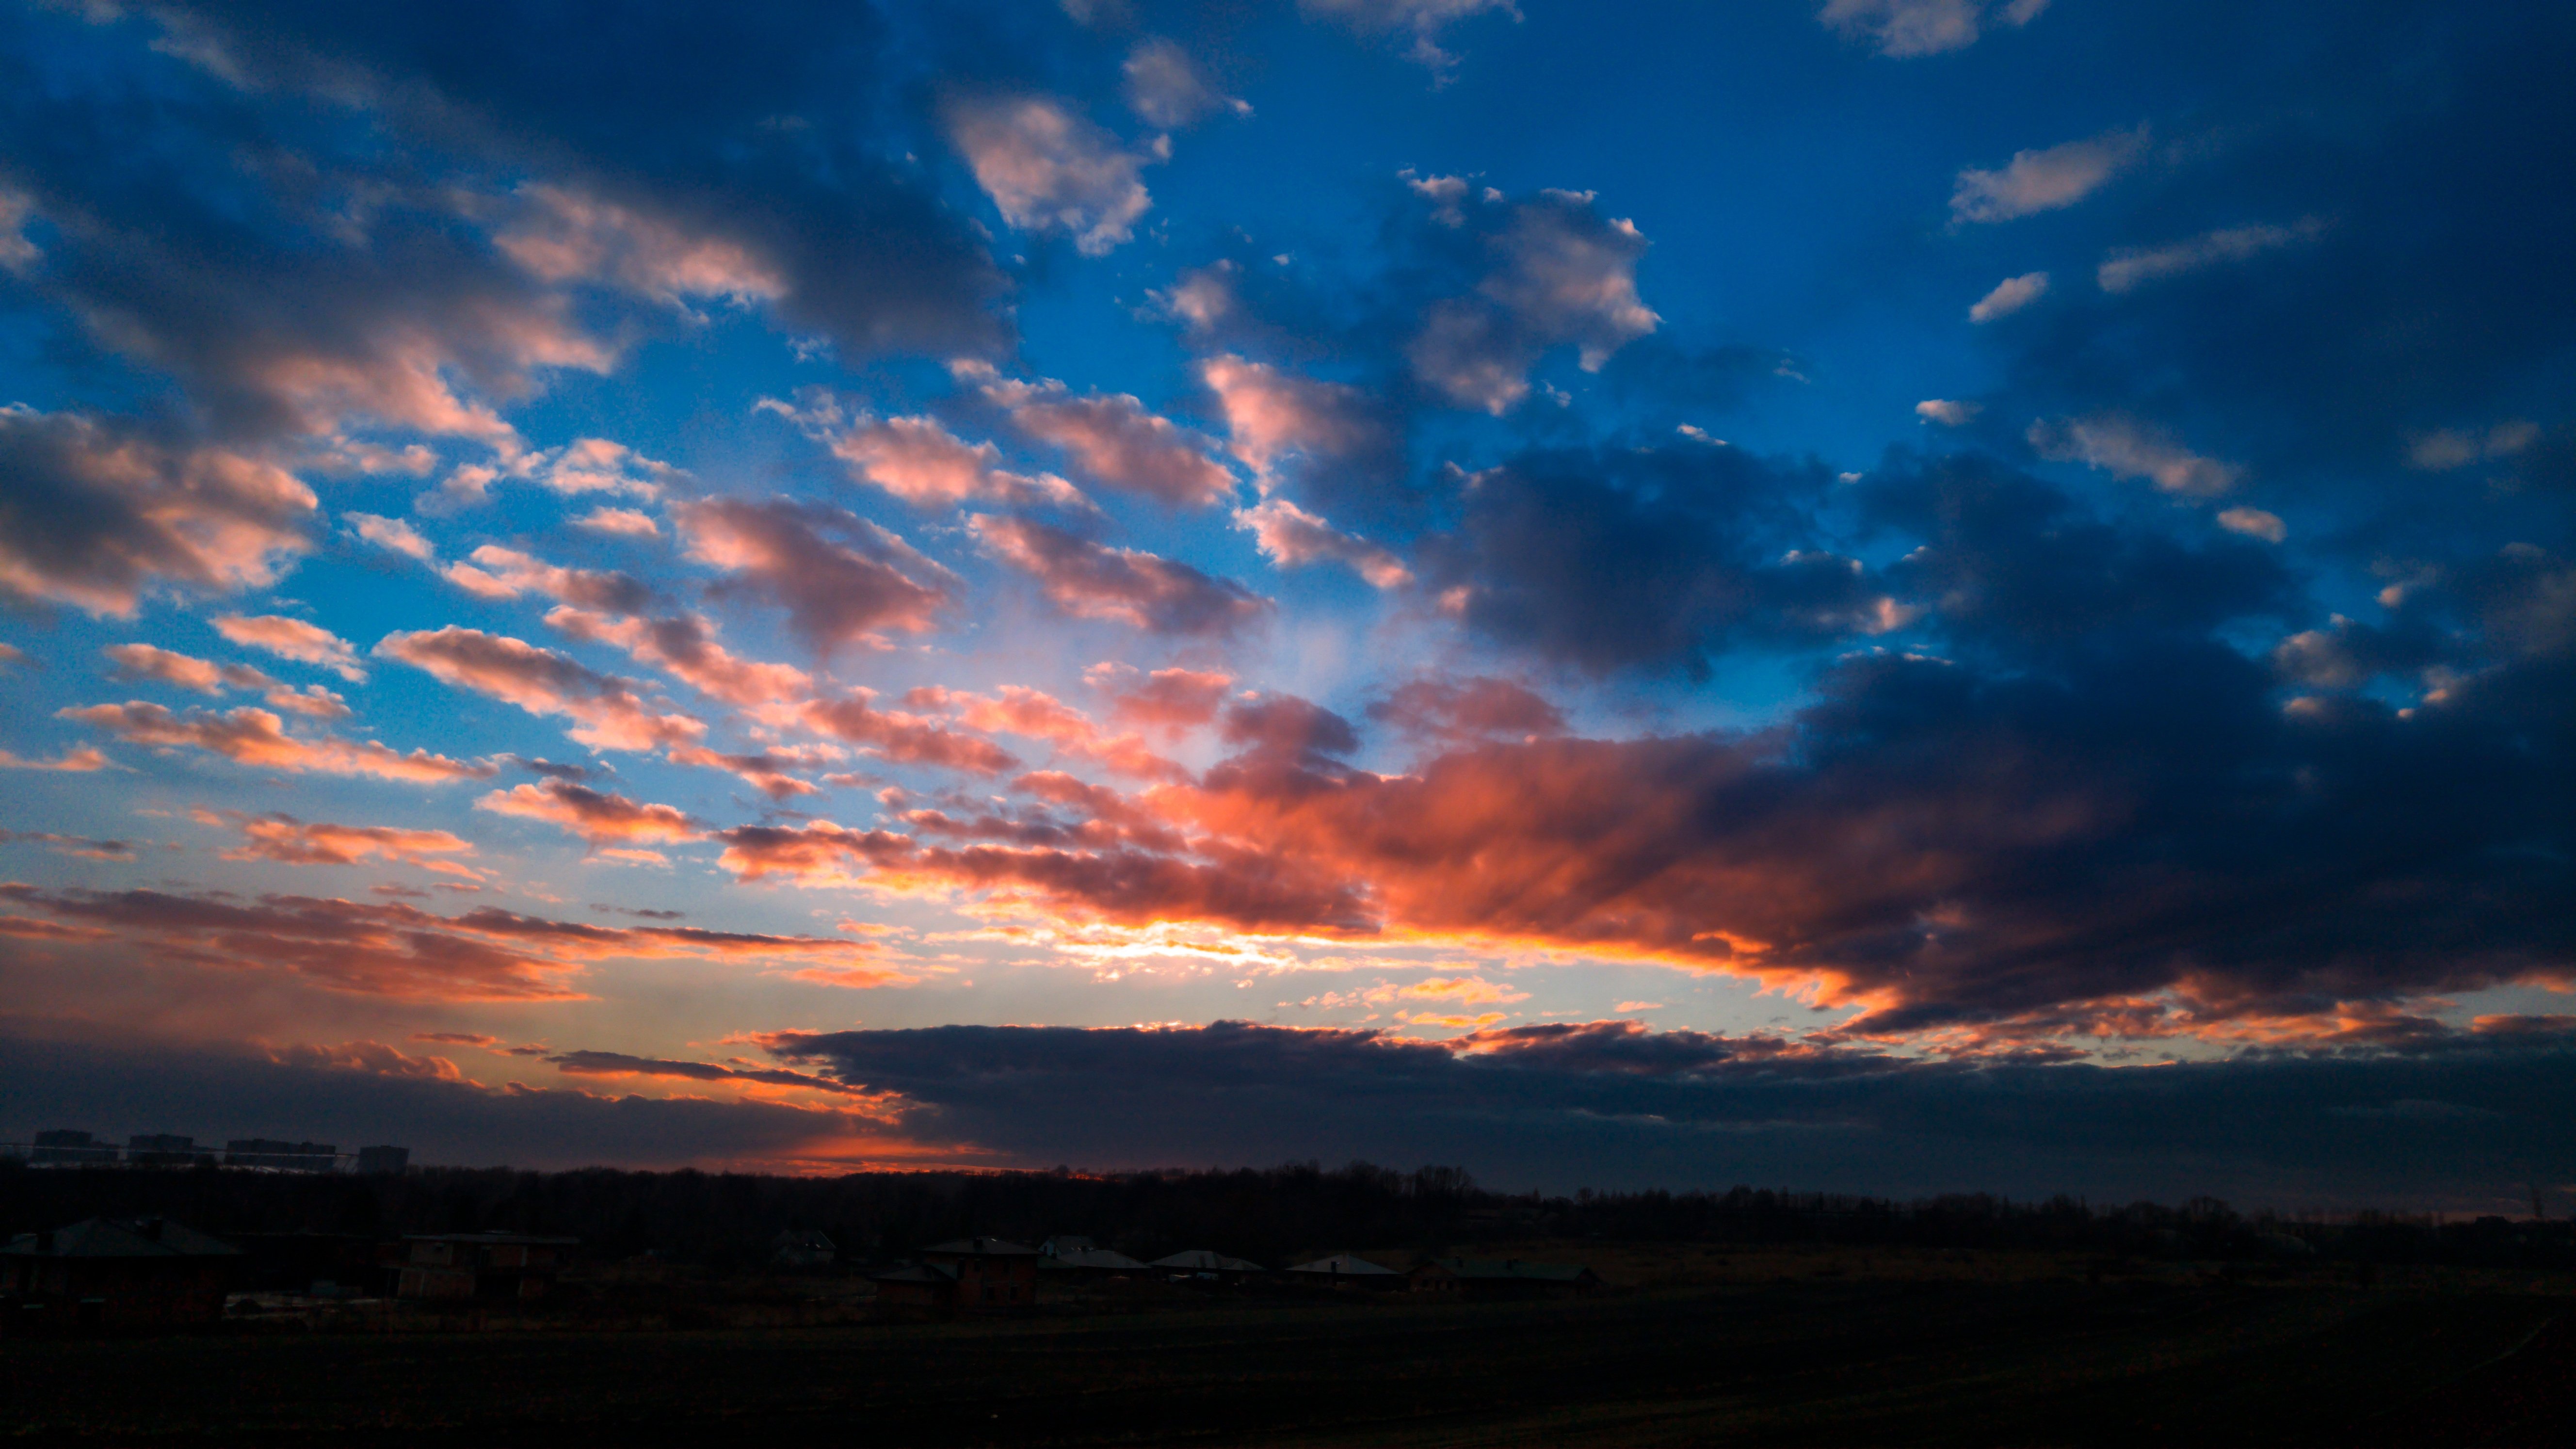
pixel 479 1267
pixel 115 1273
pixel 1090 1262
pixel 916 1285
pixel 991 1275
pixel 802 1250
pixel 1341 1270
pixel 1202 1263
pixel 1503 1278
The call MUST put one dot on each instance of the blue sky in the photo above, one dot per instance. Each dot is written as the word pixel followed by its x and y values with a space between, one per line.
pixel 648 563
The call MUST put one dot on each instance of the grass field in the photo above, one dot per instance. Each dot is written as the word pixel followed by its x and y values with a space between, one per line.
pixel 1935 1352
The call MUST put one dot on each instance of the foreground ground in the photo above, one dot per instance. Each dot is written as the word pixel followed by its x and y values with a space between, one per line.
pixel 1837 1356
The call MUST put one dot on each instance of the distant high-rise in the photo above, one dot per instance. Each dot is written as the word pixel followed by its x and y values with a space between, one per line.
pixel 283 1156
pixel 63 1145
pixel 164 1149
pixel 389 1161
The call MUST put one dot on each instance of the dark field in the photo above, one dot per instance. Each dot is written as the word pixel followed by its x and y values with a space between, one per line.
pixel 1806 1351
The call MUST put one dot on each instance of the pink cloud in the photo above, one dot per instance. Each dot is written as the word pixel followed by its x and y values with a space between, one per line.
pixel 258 738
pixel 293 639
pixel 1095 581
pixel 597 816
pixel 1113 439
pixel 835 593
pixel 607 711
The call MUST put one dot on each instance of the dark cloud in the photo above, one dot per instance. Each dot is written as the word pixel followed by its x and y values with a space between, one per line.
pixel 1445 709
pixel 1654 558
pixel 2358 244
pixel 333 1096
pixel 96 513
pixel 383 950
pixel 2012 564
pixel 1609 1104
pixel 841 578
pixel 1096 581
pixel 757 162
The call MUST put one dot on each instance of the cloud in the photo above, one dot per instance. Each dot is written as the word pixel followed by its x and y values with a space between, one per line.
pixel 597 816
pixel 2125 269
pixel 1948 412
pixel 565 235
pixel 1423 20
pixel 655 170
pixel 608 712
pixel 1291 537
pixel 835 593
pixel 2448 448
pixel 905 738
pixel 1049 170
pixel 96 514
pixel 289 841
pixel 78 760
pixel 79 846
pixel 146 661
pixel 2009 296
pixel 1274 419
pixel 1112 438
pixel 2045 180
pixel 1646 557
pixel 343 1094
pixel 293 639
pixel 922 463
pixel 1168 699
pixel 1906 28
pixel 767 771
pixel 1167 90
pixel 619 522
pixel 619 1064
pixel 258 738
pixel 596 465
pixel 1613 1104
pixel 393 535
pixel 685 645
pixel 2254 523
pixel 1563 275
pixel 1020 710
pixel 1454 710
pixel 1094 581
pixel 506 573
pixel 2126 449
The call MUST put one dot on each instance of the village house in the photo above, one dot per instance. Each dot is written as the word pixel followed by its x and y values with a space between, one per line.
pixel 1202 1263
pixel 123 1273
pixel 802 1250
pixel 479 1267
pixel 1080 1257
pixel 966 1275
pixel 1488 1278
pixel 1343 1271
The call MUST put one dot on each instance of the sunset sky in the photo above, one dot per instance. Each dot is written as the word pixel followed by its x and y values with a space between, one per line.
pixel 1888 595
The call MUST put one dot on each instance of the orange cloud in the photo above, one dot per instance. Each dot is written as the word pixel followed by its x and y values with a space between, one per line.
pixel 257 737
pixel 607 711
pixel 290 841
pixel 1094 581
pixel 597 816
pixel 293 639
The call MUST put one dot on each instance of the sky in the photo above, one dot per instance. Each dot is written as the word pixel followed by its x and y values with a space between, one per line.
pixel 1882 595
